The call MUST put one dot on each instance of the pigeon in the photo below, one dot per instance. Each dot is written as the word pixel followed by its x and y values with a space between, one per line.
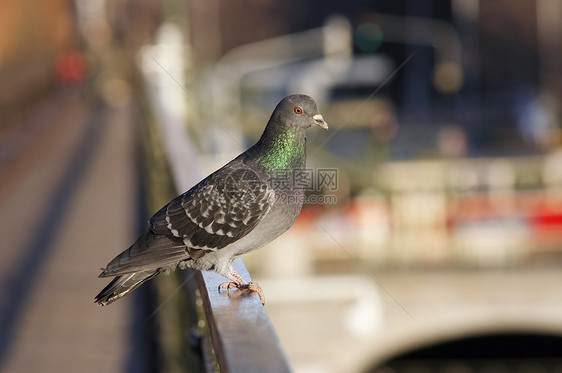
pixel 239 208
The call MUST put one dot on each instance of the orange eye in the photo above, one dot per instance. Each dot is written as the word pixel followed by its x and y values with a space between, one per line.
pixel 298 110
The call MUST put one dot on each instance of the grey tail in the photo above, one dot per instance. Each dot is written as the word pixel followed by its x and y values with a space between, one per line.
pixel 123 285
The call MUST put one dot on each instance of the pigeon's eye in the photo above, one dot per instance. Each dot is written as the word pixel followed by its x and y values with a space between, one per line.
pixel 298 110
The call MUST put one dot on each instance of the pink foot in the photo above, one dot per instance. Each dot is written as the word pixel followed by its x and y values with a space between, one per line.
pixel 238 282
pixel 255 288
pixel 250 286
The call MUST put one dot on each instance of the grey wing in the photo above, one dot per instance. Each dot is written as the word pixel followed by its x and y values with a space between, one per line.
pixel 149 251
pixel 220 210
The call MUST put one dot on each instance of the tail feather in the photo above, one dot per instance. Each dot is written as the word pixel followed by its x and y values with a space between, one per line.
pixel 123 285
pixel 149 251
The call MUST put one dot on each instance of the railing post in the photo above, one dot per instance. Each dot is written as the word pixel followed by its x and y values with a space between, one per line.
pixel 241 334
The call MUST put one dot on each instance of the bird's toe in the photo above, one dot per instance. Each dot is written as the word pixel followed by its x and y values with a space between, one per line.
pixel 254 287
pixel 228 285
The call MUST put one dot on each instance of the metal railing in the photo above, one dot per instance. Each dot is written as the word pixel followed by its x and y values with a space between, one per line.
pixel 240 333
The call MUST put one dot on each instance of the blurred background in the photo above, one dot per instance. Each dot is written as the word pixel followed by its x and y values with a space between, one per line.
pixel 432 240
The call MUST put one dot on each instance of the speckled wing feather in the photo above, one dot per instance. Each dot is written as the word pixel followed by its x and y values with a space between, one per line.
pixel 220 210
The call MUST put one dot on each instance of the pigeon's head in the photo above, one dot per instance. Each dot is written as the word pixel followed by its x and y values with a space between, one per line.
pixel 300 111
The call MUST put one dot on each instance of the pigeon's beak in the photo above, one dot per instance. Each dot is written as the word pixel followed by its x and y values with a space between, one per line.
pixel 320 121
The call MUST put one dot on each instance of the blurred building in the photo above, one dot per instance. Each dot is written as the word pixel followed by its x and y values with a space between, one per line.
pixel 28 54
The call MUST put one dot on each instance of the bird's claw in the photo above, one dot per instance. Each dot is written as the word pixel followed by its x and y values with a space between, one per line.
pixel 250 286
pixel 253 287
pixel 228 285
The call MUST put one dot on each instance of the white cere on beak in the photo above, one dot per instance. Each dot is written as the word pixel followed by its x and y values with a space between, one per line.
pixel 320 121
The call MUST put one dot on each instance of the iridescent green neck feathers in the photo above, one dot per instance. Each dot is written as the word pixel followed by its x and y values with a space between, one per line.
pixel 282 150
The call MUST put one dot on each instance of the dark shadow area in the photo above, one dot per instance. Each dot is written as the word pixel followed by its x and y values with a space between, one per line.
pixel 503 352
